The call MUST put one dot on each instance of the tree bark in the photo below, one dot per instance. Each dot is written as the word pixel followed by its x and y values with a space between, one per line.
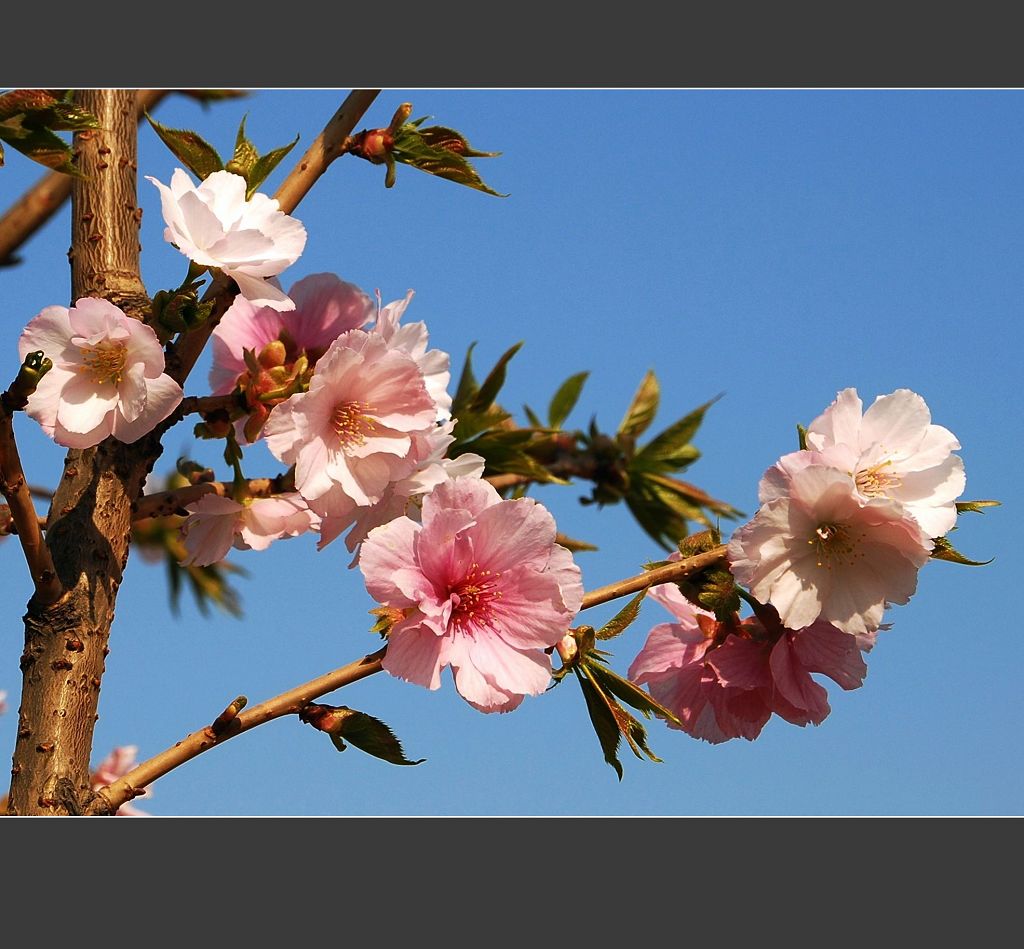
pixel 90 517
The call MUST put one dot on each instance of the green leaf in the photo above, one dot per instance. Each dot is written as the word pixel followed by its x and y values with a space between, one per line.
pixel 631 693
pixel 944 550
pixel 371 735
pixel 42 146
pixel 265 165
pixel 565 399
pixel 468 386
pixel 469 424
pixel 801 434
pixel 491 386
pixel 532 418
pixel 643 408
pixel 627 726
pixel 439 151
pixel 605 724
pixel 190 148
pixel 68 117
pixel 623 619
pixel 964 507
pixel 674 443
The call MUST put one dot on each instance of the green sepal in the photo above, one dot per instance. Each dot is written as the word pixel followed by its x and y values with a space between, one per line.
pixel 438 151
pixel 565 399
pixel 623 619
pixel 371 735
pixel 190 148
pixel 944 550
pixel 801 436
pixel 965 507
pixel 643 408
pixel 266 164
pixel 245 155
pixel 252 166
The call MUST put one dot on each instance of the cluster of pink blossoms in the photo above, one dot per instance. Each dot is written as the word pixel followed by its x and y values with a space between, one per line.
pixel 841 532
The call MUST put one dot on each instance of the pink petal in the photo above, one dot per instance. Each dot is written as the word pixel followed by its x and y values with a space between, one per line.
pixel 825 649
pixel 529 614
pixel 260 292
pixel 897 421
pixel 668 646
pixel 443 554
pixel 471 495
pixel 163 395
pixel 796 686
pixel 387 561
pixel 49 331
pixel 415 654
pixel 740 663
pixel 84 404
pixel 839 424
pixel 325 307
pixel 519 672
pixel 515 532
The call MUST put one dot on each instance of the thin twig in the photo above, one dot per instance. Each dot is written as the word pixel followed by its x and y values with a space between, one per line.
pixel 110 798
pixel 15 490
pixel 668 574
pixel 328 145
pixel 37 205
pixel 165 503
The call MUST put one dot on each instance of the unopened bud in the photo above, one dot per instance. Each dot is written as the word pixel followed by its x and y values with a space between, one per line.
pixel 273 355
pixel 567 649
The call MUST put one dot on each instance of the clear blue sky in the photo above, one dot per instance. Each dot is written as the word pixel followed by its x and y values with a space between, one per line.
pixel 776 246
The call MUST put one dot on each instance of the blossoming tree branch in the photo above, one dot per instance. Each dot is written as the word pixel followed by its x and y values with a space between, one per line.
pixel 340 422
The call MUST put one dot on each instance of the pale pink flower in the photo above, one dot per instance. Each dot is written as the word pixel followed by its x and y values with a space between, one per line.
pixel 484 588
pixel 724 681
pixel 893 451
pixel 411 338
pixel 401 496
pixel 325 307
pixel 818 549
pixel 107 378
pixel 214 525
pixel 350 435
pixel 214 225
pixel 115 766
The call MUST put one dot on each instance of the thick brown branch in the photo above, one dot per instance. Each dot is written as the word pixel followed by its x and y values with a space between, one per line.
pixel 110 798
pixel 329 145
pixel 90 517
pixel 37 205
pixel 165 503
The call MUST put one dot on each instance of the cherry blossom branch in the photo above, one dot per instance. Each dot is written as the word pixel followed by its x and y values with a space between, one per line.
pixel 328 145
pixel 671 573
pixel 7 525
pixel 15 490
pixel 230 723
pixel 165 503
pixel 110 798
pixel 37 205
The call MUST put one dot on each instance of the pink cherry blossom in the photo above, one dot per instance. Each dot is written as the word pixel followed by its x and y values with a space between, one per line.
pixel 325 307
pixel 725 681
pixel 400 497
pixel 818 549
pixel 411 338
pixel 893 451
pixel 351 434
pixel 215 225
pixel 107 378
pixel 116 765
pixel 484 589
pixel 215 524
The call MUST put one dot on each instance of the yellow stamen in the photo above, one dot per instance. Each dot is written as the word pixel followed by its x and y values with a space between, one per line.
pixel 105 362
